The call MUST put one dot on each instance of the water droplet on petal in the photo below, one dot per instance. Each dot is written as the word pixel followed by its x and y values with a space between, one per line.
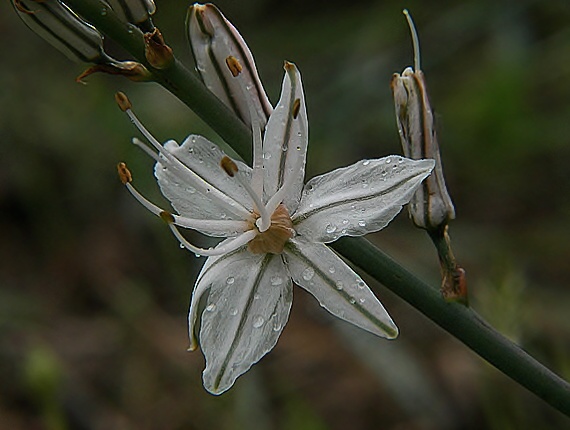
pixel 276 280
pixel 308 273
pixel 352 301
pixel 339 285
pixel 267 155
pixel 276 325
pixel 182 246
pixel 345 221
pixel 388 160
pixel 233 312
pixel 360 284
pixel 365 162
pixel 211 307
pixel 330 228
pixel 258 321
pixel 362 223
pixel 332 269
pixel 362 300
pixel 230 280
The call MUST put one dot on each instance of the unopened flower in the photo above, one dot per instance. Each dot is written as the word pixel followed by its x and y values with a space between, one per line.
pixel 63 29
pixel 275 231
pixel 213 39
pixel 431 207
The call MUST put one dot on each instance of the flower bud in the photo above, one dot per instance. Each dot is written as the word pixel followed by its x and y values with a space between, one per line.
pixel 62 28
pixel 213 40
pixel 136 12
pixel 431 207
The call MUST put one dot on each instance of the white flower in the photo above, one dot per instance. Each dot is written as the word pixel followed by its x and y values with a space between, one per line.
pixel 276 232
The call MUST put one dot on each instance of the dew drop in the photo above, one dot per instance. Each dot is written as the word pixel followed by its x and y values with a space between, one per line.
pixel 332 269
pixel 230 280
pixel 182 246
pixel 308 273
pixel 233 312
pixel 362 300
pixel 360 284
pixel 364 184
pixel 339 285
pixel 388 160
pixel 352 301
pixel 267 155
pixel 276 280
pixel 365 162
pixel 190 190
pixel 345 221
pixel 330 228
pixel 362 223
pixel 276 325
pixel 211 307
pixel 197 255
pixel 285 147
pixel 258 321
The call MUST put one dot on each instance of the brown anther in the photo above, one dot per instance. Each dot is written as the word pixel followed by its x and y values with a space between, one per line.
pixel 167 217
pixel 131 70
pixel 156 51
pixel 123 101
pixel 296 108
pixel 234 65
pixel 273 239
pixel 229 166
pixel 124 173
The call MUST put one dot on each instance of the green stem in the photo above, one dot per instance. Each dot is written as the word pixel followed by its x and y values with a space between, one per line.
pixel 458 320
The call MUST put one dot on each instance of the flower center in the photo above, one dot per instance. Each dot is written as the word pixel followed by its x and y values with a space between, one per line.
pixel 273 239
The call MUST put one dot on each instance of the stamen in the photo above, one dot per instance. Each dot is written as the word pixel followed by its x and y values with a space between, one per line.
pixel 228 246
pixel 415 39
pixel 231 169
pixel 124 173
pixel 234 65
pixel 171 161
pixel 123 101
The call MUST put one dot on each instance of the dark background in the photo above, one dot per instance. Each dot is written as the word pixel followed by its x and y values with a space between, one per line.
pixel 94 290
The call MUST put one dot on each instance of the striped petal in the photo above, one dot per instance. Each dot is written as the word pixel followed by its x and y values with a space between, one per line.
pixel 248 306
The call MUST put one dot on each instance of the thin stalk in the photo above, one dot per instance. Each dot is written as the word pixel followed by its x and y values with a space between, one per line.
pixel 460 321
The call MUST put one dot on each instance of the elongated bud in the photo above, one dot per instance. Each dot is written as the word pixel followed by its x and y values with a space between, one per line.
pixel 431 207
pixel 136 12
pixel 213 40
pixel 62 28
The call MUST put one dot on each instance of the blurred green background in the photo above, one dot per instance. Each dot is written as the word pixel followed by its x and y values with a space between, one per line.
pixel 94 290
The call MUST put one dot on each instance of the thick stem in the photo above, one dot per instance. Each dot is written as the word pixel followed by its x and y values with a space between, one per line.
pixel 458 320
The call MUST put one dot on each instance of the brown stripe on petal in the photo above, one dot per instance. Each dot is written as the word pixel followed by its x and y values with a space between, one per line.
pixel 296 108
pixel 229 166
pixel 234 65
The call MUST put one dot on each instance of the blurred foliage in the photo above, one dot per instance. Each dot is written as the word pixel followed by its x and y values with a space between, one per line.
pixel 94 290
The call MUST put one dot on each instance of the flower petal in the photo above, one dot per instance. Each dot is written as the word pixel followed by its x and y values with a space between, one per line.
pixel 358 199
pixel 337 287
pixel 285 141
pixel 210 193
pixel 248 306
pixel 213 39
